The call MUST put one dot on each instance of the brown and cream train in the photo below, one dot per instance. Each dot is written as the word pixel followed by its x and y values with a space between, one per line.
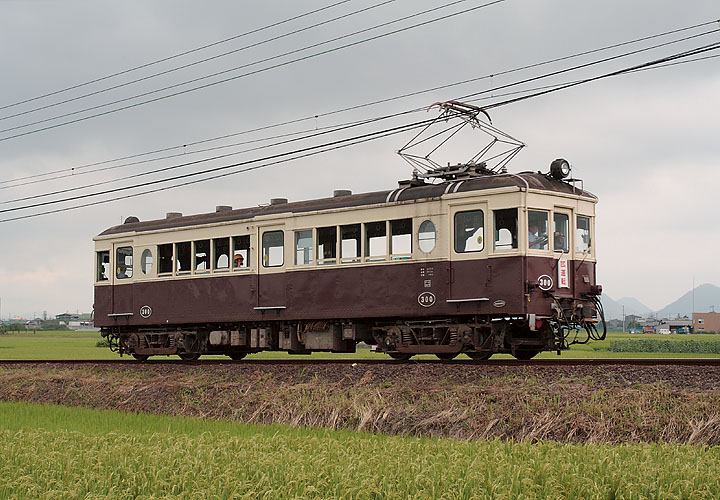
pixel 478 263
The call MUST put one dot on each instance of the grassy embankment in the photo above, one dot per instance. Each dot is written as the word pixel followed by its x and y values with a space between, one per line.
pixel 82 345
pixel 57 452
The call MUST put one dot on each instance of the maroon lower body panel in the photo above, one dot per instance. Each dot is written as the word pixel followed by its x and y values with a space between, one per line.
pixel 502 286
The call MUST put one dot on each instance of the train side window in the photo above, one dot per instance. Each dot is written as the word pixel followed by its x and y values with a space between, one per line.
pixel 146 261
pixel 273 247
pixel 327 245
pixel 350 243
pixel 401 239
pixel 183 257
pixel 375 241
pixel 103 265
pixel 538 230
pixel 165 258
pixel 506 229
pixel 561 223
pixel 124 263
pixel 582 235
pixel 303 247
pixel 221 256
pixel 202 256
pixel 241 252
pixel 469 231
pixel 426 236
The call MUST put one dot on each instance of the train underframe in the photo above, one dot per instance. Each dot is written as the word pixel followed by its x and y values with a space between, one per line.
pixel 478 336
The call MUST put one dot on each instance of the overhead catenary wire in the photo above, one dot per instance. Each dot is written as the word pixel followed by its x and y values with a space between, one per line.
pixel 243 75
pixel 382 133
pixel 175 56
pixel 207 59
pixel 74 170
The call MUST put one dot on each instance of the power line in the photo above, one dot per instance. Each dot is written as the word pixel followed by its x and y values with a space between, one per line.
pixel 164 59
pixel 351 108
pixel 275 66
pixel 178 68
pixel 347 141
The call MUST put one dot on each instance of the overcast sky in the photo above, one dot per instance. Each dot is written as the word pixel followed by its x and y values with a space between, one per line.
pixel 645 143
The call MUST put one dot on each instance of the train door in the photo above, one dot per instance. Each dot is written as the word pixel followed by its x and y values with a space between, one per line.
pixel 562 250
pixel 121 278
pixel 271 268
pixel 468 263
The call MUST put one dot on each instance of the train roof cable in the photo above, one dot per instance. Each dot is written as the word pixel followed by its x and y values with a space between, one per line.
pixel 201 61
pixel 225 80
pixel 175 56
pixel 301 153
pixel 319 148
pixel 74 170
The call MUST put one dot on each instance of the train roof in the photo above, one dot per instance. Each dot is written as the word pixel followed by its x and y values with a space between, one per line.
pixel 407 191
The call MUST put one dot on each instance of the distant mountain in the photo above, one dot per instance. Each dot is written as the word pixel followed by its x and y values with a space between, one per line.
pixel 707 297
pixel 614 308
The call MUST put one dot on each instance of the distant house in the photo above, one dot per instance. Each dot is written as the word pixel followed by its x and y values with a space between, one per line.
pixel 706 322
pixel 67 317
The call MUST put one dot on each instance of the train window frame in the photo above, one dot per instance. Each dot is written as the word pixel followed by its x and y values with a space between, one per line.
pixel 182 254
pixel 579 238
pixel 216 268
pixel 241 243
pixel 201 255
pixel 432 240
pixel 161 259
pixel 267 247
pixel 558 238
pixel 321 240
pixel 503 221
pixel 121 265
pixel 479 239
pixel 543 236
pixel 307 251
pixel 102 266
pixel 399 238
pixel 354 234
pixel 370 230
pixel 146 262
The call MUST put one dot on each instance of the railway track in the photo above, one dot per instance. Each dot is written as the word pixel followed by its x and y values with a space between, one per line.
pixel 302 362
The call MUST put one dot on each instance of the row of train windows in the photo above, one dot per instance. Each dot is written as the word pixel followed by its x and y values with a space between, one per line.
pixel 333 244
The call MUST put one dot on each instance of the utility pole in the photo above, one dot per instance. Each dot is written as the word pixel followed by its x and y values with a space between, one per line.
pixel 623 319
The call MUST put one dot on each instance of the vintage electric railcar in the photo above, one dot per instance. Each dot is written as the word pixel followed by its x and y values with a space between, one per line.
pixel 479 263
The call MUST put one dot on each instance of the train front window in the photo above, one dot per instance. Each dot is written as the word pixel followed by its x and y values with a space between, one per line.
pixel 401 238
pixel 124 263
pixel 273 249
pixel 538 230
pixel 506 229
pixel 221 256
pixel 469 231
pixel 241 252
pixel 103 265
pixel 375 241
pixel 303 247
pixel 582 235
pixel 183 257
pixel 561 223
pixel 350 243
pixel 165 258
pixel 327 245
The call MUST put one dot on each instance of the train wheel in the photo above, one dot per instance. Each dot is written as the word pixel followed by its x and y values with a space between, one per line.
pixel 446 356
pixel 479 356
pixel 237 356
pixel 400 356
pixel 189 356
pixel 525 354
pixel 141 357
